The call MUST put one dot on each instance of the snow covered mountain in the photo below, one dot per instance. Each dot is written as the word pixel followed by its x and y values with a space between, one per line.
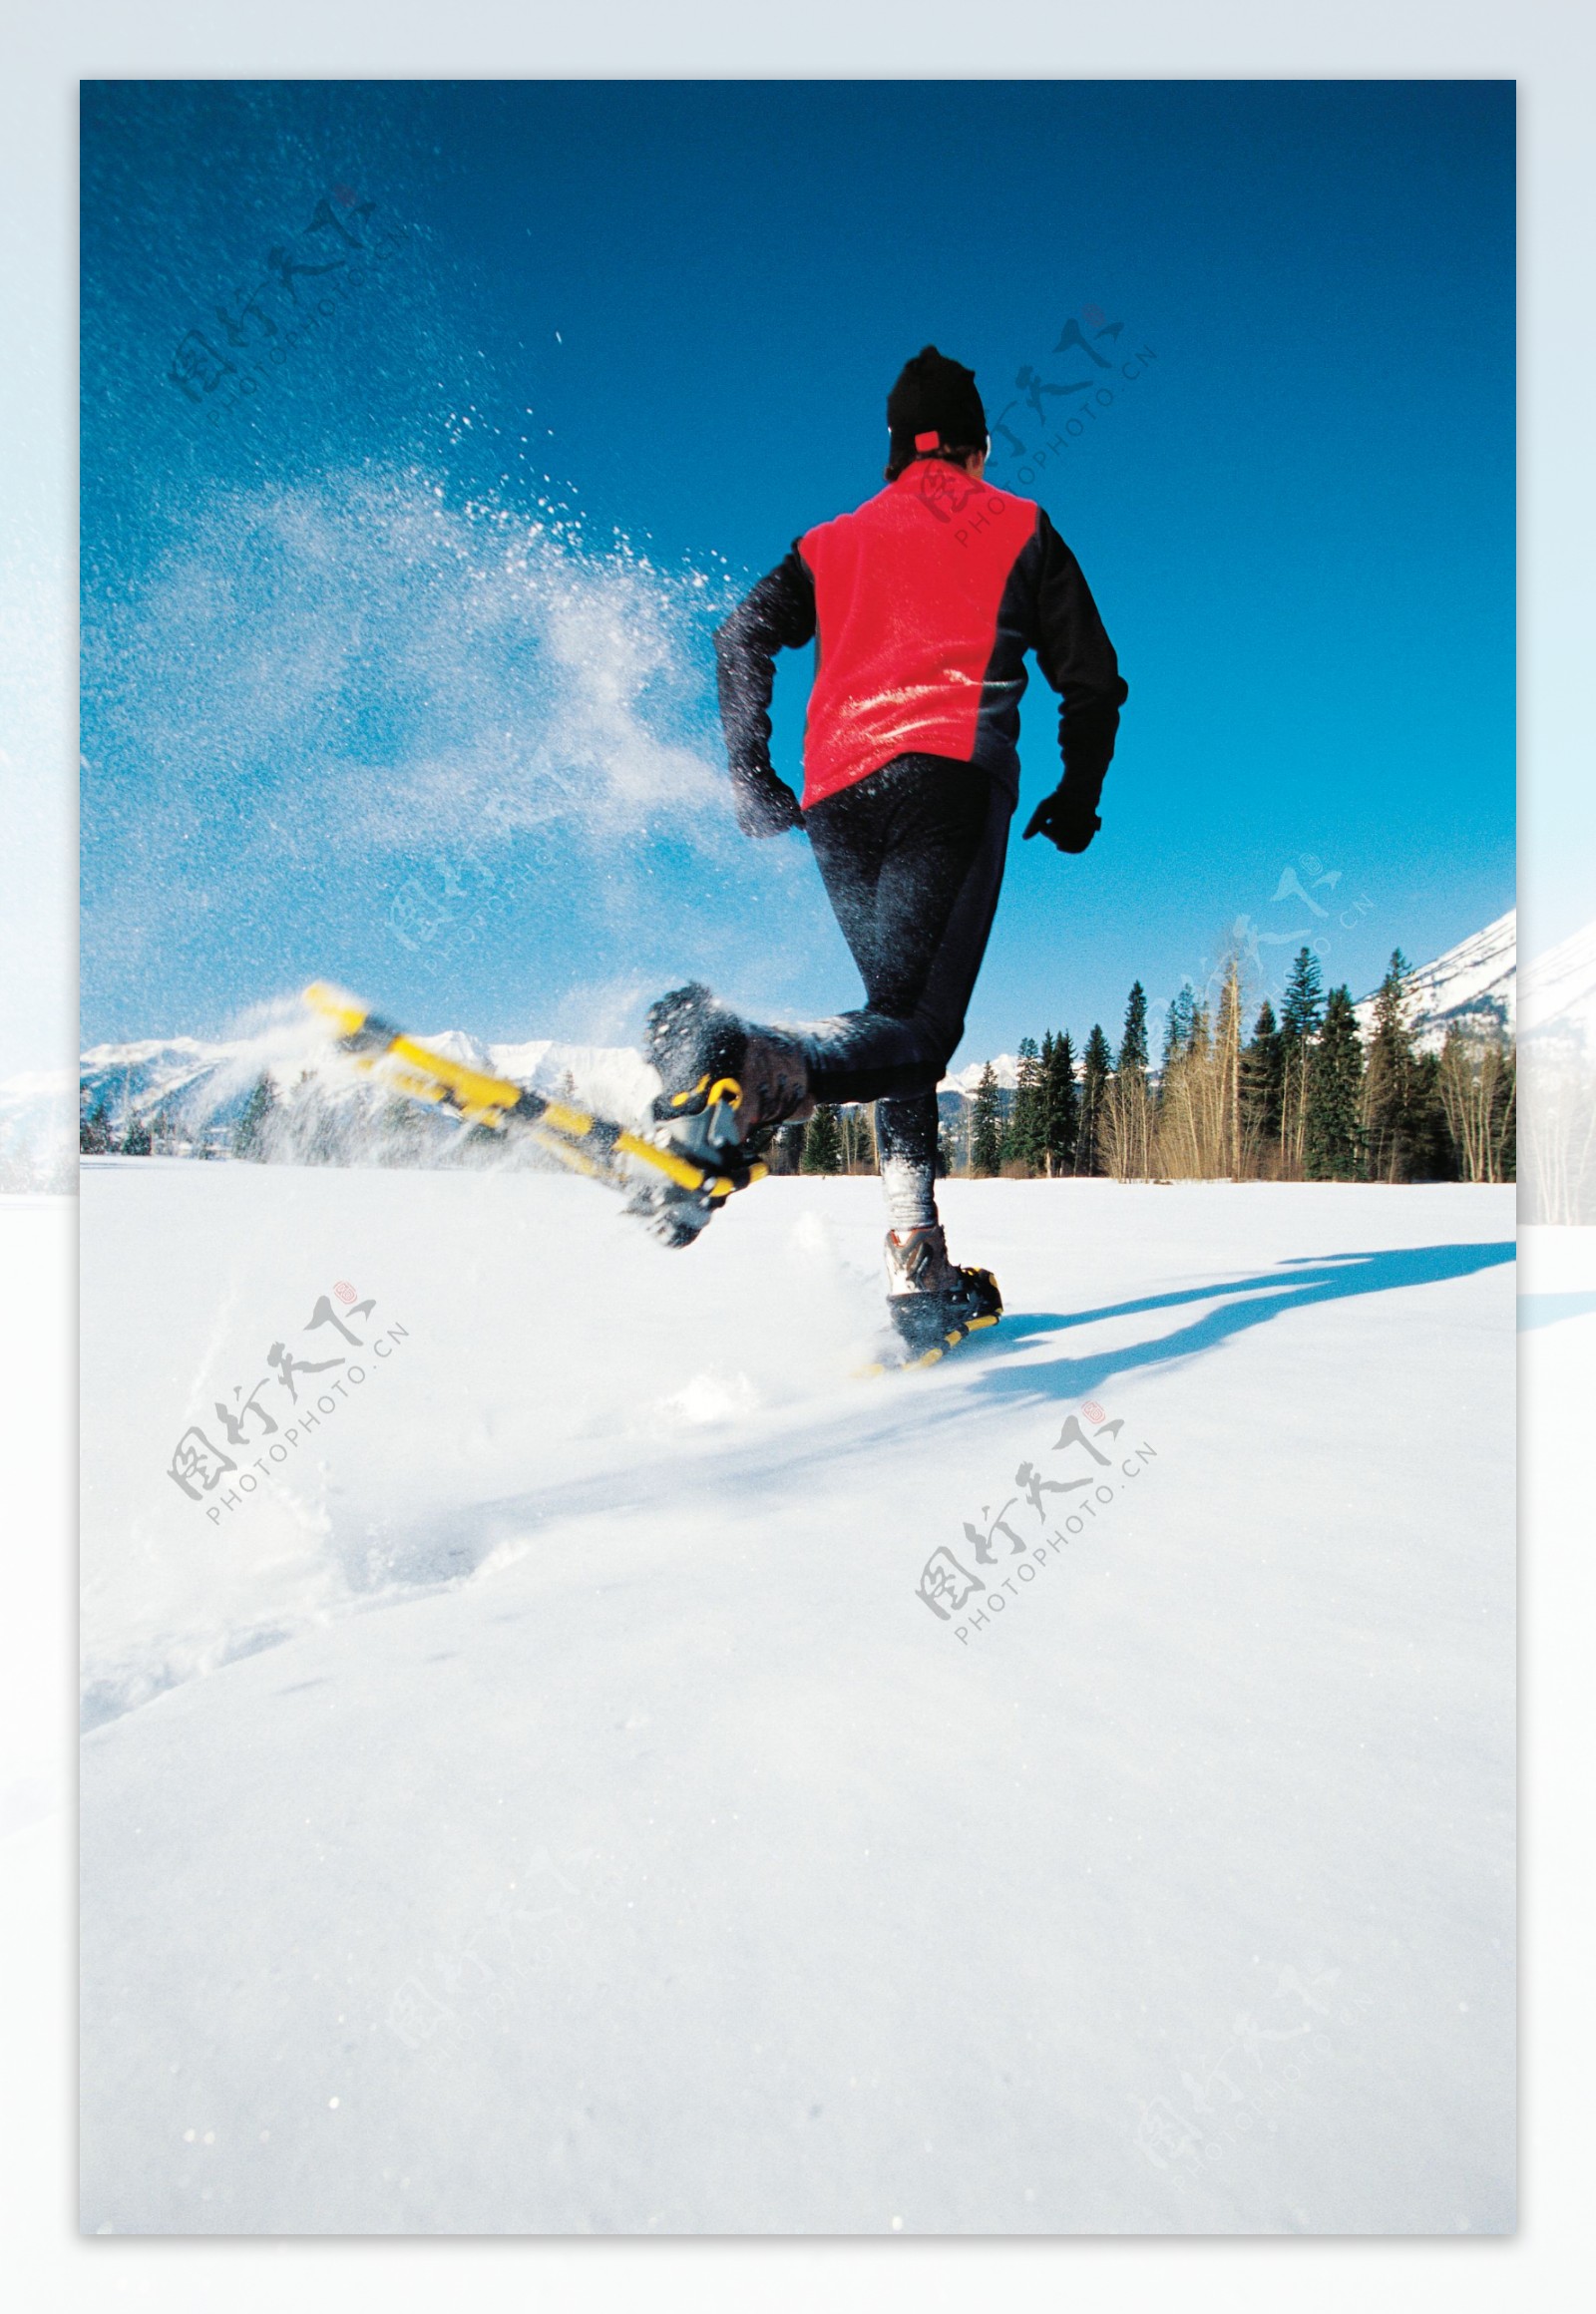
pixel 38 1153
pixel 1560 993
pixel 966 1081
pixel 193 1081
pixel 191 1095
pixel 185 1084
pixel 1472 986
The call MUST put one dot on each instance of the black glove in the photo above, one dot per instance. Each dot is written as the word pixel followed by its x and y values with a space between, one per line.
pixel 764 804
pixel 1064 821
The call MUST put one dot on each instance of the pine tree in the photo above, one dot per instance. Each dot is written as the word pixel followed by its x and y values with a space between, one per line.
pixel 1026 1141
pixel 1303 1005
pixel 1432 1153
pixel 406 1133
pixel 94 1130
pixel 1387 1080
pixel 1402 1121
pixel 857 1139
pixel 1300 1012
pixel 1061 1104
pixel 251 1133
pixel 1178 1026
pixel 1096 1073
pixel 1333 1140
pixel 823 1141
pixel 986 1137
pixel 1046 1064
pixel 953 1130
pixel 787 1150
pixel 1262 1077
pixel 1133 1043
pixel 135 1141
pixel 1125 1119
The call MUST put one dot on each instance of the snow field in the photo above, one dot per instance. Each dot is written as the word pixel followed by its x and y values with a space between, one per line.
pixel 548 1804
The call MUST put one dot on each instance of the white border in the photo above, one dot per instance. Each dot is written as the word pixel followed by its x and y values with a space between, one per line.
pixel 1547 45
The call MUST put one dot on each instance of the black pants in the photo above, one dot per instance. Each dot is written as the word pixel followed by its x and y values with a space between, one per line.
pixel 912 860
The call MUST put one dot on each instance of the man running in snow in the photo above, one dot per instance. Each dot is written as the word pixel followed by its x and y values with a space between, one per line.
pixel 921 604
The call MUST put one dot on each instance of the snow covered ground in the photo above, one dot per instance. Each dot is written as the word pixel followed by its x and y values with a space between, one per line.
pixel 548 1800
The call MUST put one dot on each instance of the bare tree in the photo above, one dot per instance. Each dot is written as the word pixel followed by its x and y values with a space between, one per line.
pixel 1199 1134
pixel 1125 1134
pixel 1478 1099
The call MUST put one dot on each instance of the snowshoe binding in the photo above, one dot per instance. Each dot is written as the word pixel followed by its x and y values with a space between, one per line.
pixel 724 1088
pixel 933 1303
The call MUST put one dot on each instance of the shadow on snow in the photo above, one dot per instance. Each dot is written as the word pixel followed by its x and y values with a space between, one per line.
pixel 894 1414
pixel 1295 1283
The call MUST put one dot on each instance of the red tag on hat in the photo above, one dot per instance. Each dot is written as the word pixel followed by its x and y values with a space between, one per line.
pixel 928 441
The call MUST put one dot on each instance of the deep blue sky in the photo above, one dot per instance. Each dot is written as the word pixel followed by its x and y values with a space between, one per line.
pixel 322 735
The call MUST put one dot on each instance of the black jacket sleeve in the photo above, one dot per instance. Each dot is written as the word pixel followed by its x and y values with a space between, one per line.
pixel 1074 653
pixel 777 614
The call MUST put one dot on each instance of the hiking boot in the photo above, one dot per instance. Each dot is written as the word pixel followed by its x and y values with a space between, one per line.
pixel 725 1085
pixel 930 1297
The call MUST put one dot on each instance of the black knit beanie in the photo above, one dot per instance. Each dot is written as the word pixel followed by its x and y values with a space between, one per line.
pixel 934 406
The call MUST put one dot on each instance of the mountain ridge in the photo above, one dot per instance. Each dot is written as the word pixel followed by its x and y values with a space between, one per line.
pixel 206 1083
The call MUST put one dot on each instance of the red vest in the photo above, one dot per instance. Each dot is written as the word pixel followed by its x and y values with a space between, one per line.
pixel 907 595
